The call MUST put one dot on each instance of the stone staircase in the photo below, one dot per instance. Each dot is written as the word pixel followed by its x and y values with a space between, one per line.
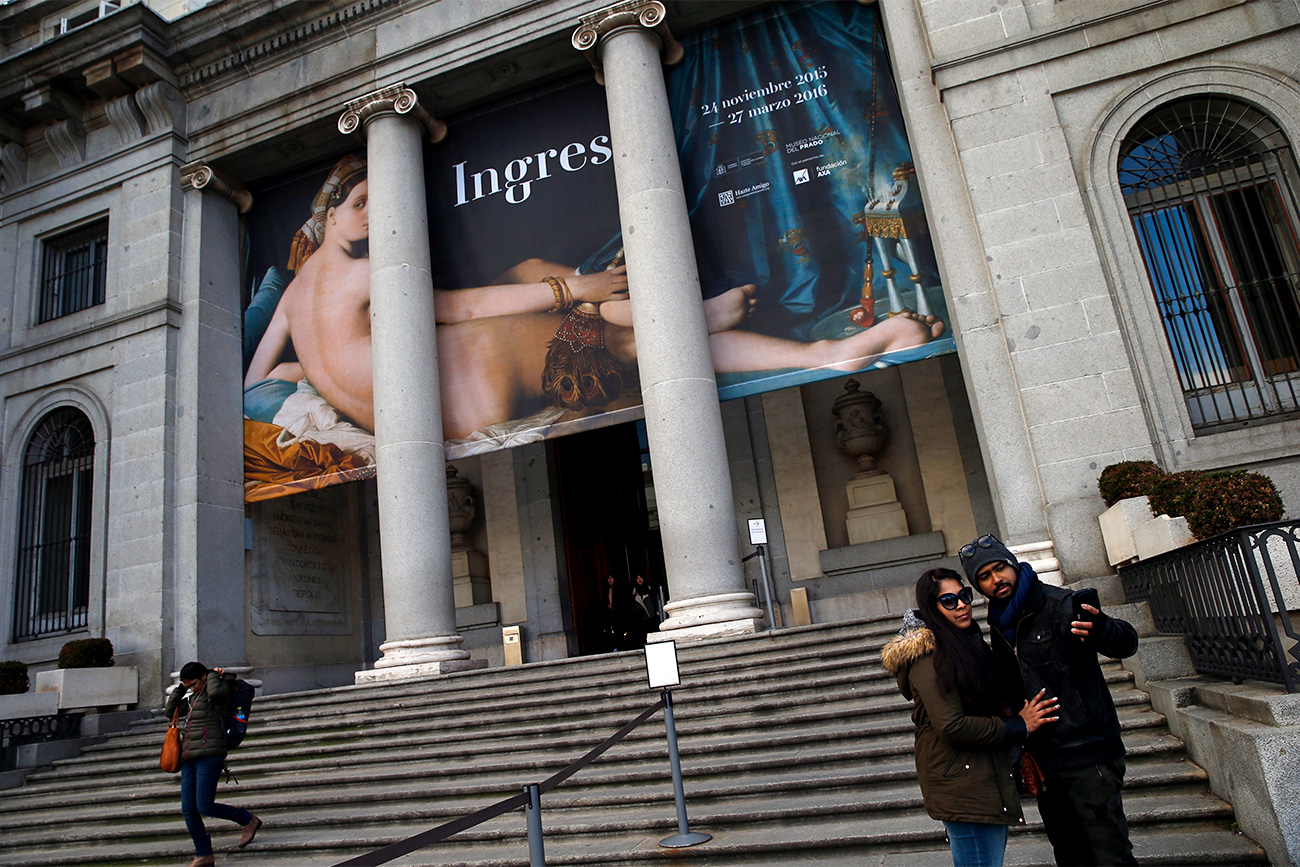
pixel 796 749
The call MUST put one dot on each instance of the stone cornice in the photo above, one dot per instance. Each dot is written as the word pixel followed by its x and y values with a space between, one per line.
pixel 648 14
pixel 396 99
pixel 199 175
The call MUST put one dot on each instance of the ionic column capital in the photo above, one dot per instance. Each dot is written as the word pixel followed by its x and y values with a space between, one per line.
pixel 644 14
pixel 198 175
pixel 394 99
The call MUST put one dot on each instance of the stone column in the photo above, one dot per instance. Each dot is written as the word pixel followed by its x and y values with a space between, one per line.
pixel 208 543
pixel 697 512
pixel 415 542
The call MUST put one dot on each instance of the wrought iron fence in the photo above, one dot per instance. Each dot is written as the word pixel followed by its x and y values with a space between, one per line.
pixel 1229 595
pixel 35 730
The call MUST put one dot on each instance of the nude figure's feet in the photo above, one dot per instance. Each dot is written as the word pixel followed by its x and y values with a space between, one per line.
pixel 726 311
pixel 903 331
pixel 721 313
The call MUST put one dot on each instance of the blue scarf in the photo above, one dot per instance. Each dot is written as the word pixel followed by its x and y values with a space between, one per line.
pixel 1006 616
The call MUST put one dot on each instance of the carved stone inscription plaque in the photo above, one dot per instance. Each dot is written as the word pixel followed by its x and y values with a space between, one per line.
pixel 304 559
pixel 308 556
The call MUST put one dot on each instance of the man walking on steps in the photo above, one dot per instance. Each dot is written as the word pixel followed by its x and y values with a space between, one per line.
pixel 1038 636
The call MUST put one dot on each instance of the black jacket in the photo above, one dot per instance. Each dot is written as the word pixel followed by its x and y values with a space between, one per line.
pixel 1047 654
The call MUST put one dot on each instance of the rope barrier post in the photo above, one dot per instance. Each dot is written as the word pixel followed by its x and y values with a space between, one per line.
pixel 758 538
pixel 662 673
pixel 684 836
pixel 533 813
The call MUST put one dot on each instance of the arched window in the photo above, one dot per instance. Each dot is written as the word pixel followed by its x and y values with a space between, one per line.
pixel 1209 183
pixel 53 581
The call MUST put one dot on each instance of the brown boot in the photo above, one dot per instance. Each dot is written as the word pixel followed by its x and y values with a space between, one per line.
pixel 203 861
pixel 250 831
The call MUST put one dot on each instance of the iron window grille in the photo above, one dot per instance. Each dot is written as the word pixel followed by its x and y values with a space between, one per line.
pixel 73 271
pixel 1209 183
pixel 53 567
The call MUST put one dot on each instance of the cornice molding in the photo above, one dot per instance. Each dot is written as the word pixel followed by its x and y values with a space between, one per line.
pixel 394 99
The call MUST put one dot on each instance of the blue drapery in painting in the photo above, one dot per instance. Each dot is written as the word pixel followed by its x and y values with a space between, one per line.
pixel 786 121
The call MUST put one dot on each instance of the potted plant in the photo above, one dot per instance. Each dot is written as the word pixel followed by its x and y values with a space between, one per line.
pixel 87 677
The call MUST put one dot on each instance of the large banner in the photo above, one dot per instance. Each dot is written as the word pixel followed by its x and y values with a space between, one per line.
pixel 811 241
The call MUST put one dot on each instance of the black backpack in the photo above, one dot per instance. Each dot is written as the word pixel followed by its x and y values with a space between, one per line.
pixel 238 709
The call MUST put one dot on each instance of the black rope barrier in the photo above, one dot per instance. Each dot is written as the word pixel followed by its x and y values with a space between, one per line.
pixel 442 832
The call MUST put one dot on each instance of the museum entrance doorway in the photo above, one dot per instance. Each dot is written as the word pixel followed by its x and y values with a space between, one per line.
pixel 611 530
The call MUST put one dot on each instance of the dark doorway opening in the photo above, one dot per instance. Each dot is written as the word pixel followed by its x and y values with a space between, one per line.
pixel 611 529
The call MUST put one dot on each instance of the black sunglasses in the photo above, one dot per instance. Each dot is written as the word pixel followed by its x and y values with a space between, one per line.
pixel 952 600
pixel 968 551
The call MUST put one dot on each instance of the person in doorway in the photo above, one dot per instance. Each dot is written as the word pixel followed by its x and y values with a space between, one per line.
pixel 964 732
pixel 1041 642
pixel 645 614
pixel 615 626
pixel 201 696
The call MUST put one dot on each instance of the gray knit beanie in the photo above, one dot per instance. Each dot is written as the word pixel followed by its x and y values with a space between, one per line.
pixel 984 550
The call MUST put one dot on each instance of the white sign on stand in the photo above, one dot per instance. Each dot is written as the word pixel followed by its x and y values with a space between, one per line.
pixel 757 531
pixel 661 664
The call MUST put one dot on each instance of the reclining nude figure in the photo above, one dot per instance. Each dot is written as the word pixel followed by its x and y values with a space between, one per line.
pixel 493 340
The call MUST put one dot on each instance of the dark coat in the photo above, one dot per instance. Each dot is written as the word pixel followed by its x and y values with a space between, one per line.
pixel 963 762
pixel 1048 655
pixel 203 729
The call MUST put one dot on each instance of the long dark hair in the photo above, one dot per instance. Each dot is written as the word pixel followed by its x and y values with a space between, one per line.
pixel 961 658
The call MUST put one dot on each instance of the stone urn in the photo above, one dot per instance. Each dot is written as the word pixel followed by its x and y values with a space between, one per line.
pixel 460 508
pixel 860 429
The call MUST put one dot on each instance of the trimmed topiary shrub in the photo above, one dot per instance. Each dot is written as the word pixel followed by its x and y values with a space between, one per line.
pixel 13 677
pixel 1127 479
pixel 1172 494
pixel 1226 501
pixel 87 653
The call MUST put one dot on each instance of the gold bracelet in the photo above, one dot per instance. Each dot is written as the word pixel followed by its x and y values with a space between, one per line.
pixel 554 283
pixel 568 295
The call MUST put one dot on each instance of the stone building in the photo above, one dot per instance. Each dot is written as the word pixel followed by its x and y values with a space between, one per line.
pixel 1109 190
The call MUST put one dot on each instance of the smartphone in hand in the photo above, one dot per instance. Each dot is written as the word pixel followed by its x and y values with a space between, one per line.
pixel 1087 596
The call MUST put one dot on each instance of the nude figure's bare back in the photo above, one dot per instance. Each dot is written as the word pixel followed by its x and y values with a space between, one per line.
pixel 327 311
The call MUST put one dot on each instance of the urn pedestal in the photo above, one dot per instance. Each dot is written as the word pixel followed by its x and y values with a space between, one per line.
pixel 470 580
pixel 860 431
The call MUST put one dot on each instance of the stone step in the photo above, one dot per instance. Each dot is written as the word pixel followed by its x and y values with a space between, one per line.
pixel 882 821
pixel 796 749
pixel 891 725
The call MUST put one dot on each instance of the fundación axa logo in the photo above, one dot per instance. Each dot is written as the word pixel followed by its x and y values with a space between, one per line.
pixel 801 176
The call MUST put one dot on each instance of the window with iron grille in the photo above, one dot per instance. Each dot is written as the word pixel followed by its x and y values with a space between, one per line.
pixel 73 271
pixel 1210 185
pixel 53 580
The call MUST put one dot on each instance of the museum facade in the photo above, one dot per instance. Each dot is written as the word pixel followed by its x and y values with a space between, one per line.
pixel 354 340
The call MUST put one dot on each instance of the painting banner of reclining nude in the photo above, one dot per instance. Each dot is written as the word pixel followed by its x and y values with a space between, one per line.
pixel 813 251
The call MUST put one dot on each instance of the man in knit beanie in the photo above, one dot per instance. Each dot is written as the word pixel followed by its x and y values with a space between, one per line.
pixel 1040 639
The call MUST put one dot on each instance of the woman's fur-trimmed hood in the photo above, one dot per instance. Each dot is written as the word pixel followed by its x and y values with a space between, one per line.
pixel 913 642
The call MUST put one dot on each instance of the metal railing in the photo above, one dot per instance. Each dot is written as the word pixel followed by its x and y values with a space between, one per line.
pixel 530 801
pixel 1229 595
pixel 15 733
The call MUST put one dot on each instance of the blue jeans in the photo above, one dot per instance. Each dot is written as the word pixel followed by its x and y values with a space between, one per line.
pixel 198 799
pixel 976 844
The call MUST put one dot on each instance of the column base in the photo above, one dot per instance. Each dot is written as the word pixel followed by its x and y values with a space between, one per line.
pixel 709 617
pixel 420 657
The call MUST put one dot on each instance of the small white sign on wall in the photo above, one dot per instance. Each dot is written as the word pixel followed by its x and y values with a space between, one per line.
pixel 757 531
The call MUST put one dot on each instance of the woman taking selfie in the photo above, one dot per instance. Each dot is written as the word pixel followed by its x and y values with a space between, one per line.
pixel 963 739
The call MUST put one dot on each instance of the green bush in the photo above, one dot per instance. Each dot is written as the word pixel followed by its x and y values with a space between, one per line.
pixel 13 677
pixel 1226 501
pixel 87 653
pixel 1127 479
pixel 1172 494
